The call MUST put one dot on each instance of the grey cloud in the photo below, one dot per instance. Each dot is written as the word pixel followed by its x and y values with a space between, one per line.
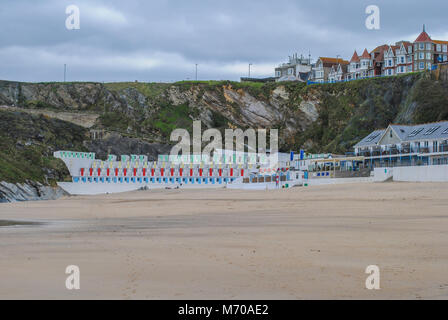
pixel 162 40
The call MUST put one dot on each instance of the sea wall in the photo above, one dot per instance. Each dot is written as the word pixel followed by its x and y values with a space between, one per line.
pixel 382 174
pixel 421 174
pixel 325 181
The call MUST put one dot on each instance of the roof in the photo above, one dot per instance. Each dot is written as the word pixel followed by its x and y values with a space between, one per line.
pixel 380 57
pixel 380 49
pixel 393 49
pixel 355 57
pixel 335 68
pixel 408 133
pixel 440 41
pixel 400 130
pixel 372 139
pixel 423 37
pixel 329 62
pixel 365 54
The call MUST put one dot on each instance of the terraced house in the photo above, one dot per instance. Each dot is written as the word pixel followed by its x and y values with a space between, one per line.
pixel 385 60
pixel 398 59
pixel 429 52
pixel 296 69
pixel 359 66
pixel 377 57
pixel 338 72
pixel 323 67
pixel 405 145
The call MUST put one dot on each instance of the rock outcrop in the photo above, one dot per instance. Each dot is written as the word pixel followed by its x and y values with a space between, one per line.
pixel 40 118
pixel 30 190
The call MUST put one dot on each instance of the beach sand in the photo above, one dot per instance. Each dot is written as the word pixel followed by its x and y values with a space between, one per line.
pixel 301 243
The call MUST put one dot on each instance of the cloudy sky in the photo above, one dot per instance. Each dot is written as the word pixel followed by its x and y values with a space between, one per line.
pixel 163 40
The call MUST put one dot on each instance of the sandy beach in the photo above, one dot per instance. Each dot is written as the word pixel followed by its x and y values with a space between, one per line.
pixel 301 243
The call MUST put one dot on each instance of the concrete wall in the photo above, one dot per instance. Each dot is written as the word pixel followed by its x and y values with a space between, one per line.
pixel 413 174
pixel 421 174
pixel 325 181
pixel 382 174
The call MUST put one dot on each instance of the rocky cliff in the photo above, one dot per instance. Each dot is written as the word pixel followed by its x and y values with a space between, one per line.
pixel 139 117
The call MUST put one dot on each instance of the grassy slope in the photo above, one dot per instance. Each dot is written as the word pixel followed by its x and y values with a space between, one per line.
pixel 350 111
pixel 347 112
pixel 27 143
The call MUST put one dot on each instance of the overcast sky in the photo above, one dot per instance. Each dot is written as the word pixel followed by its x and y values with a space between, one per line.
pixel 163 40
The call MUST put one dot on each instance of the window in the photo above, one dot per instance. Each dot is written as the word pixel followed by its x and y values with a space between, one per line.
pixel 422 46
pixel 445 131
pixel 290 71
pixel 421 56
pixel 373 136
pixel 415 47
pixel 422 65
pixel 439 47
pixel 428 65
pixel 428 46
pixel 278 73
pixel 401 69
pixel 428 56
pixel 431 130
pixel 445 48
pixel 415 132
pixel 402 59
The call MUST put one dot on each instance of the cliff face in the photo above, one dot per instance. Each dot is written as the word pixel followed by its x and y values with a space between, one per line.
pixel 141 116
pixel 329 117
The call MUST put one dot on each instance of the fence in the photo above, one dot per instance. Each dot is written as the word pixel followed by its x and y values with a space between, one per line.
pixel 433 68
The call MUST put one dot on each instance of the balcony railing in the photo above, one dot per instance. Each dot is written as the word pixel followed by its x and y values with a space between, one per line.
pixel 401 151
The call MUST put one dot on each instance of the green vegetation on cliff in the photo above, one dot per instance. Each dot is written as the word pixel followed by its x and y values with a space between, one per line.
pixel 346 112
pixel 349 111
pixel 318 118
pixel 27 143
